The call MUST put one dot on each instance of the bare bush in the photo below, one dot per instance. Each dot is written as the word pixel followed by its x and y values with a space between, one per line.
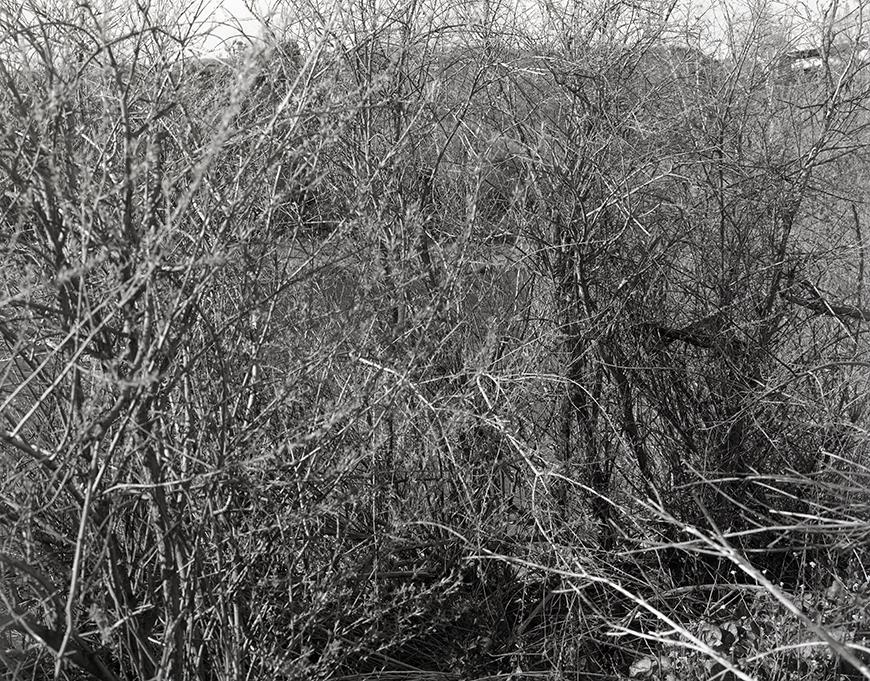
pixel 432 340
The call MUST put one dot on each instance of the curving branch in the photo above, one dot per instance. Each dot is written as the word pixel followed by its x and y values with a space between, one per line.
pixel 820 305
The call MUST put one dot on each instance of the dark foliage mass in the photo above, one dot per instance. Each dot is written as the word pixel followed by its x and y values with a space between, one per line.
pixel 423 342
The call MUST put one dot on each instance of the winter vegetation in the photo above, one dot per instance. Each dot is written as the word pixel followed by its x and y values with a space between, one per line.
pixel 422 341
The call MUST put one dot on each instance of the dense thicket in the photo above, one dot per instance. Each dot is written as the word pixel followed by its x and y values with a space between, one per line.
pixel 431 342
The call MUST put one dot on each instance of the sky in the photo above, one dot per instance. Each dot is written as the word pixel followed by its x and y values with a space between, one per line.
pixel 794 20
pixel 232 18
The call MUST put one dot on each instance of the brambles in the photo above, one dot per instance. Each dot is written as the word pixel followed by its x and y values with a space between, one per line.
pixel 430 340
